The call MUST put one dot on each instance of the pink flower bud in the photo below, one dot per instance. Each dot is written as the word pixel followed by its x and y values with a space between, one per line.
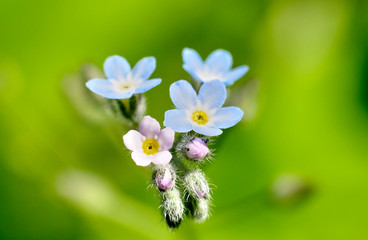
pixel 196 185
pixel 202 192
pixel 164 183
pixel 197 149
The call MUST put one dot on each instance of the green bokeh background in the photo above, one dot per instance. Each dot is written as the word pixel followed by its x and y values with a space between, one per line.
pixel 64 175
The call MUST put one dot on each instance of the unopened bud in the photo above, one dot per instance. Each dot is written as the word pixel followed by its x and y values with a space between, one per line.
pixel 173 207
pixel 165 182
pixel 164 177
pixel 197 149
pixel 196 185
pixel 201 192
pixel 201 210
pixel 193 148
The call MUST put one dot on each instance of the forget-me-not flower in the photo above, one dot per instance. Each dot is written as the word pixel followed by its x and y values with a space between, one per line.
pixel 150 144
pixel 202 113
pixel 122 82
pixel 216 67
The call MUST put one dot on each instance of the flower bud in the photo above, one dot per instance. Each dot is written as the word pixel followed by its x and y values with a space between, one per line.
pixel 197 149
pixel 201 210
pixel 193 148
pixel 196 185
pixel 164 177
pixel 202 192
pixel 165 182
pixel 173 207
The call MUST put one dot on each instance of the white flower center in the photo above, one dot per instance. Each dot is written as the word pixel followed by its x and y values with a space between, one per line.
pixel 207 75
pixel 125 84
pixel 125 87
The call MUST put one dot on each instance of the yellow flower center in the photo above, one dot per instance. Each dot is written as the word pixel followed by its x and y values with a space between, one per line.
pixel 150 146
pixel 200 117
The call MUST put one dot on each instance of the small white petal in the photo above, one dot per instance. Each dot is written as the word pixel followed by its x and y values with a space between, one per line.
pixel 141 159
pixel 133 140
pixel 163 157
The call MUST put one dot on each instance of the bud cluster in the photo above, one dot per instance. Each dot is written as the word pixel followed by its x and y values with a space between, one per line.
pixel 171 178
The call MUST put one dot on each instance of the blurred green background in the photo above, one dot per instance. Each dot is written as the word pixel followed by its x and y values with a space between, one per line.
pixel 64 173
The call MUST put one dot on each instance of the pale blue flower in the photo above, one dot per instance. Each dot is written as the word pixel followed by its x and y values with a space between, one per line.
pixel 216 67
pixel 122 82
pixel 202 113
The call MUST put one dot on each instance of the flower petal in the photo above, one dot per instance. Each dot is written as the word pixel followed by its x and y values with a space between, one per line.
pixel 191 59
pixel 183 95
pixel 177 120
pixel 116 67
pixel 192 72
pixel 235 74
pixel 133 140
pixel 149 127
pixel 227 117
pixel 212 94
pixel 106 88
pixel 219 61
pixel 207 131
pixel 144 68
pixel 99 86
pixel 163 157
pixel 141 159
pixel 166 138
pixel 147 85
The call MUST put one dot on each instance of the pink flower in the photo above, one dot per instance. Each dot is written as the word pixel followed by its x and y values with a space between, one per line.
pixel 150 144
pixel 197 149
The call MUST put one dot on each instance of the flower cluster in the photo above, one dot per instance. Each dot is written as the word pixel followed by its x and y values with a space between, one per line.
pixel 198 117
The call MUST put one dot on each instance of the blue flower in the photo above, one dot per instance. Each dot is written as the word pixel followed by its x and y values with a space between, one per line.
pixel 216 67
pixel 122 82
pixel 201 113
